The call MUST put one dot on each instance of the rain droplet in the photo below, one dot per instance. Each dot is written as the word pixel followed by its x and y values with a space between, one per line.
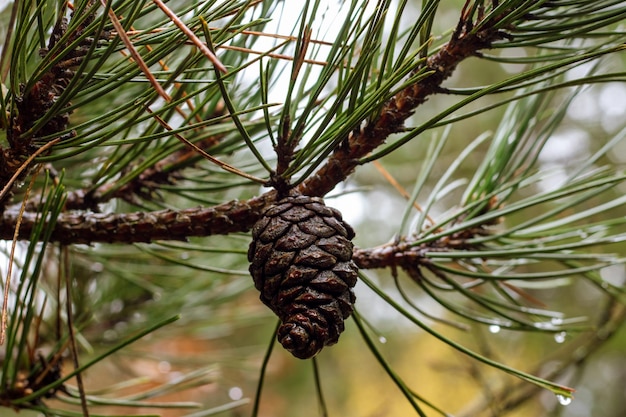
pixel 560 337
pixel 563 400
pixel 110 334
pixel 235 393
pixel 557 321
pixel 545 325
pixel 164 367
pixel 494 328
pixel 382 339
pixel 97 267
pixel 116 306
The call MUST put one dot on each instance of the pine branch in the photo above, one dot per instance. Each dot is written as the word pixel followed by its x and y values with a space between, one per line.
pixel 240 216
pixel 72 228
pixel 410 257
pixel 464 43
pixel 38 109
pixel 444 256
pixel 165 171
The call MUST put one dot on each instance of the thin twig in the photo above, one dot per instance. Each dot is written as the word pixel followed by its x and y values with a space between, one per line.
pixel 399 188
pixel 248 50
pixel 238 31
pixel 192 36
pixel 25 165
pixel 7 283
pixel 223 165
pixel 135 55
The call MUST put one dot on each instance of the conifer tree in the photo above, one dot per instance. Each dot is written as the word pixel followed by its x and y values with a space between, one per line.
pixel 206 190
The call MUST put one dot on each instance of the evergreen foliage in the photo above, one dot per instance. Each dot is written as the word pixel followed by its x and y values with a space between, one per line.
pixel 142 140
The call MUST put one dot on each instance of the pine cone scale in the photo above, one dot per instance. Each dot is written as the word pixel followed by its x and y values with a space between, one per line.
pixel 317 227
pixel 298 275
pixel 315 257
pixel 278 262
pixel 335 247
pixel 339 227
pixel 295 239
pixel 274 229
pixel 297 214
pixel 328 282
pixel 345 271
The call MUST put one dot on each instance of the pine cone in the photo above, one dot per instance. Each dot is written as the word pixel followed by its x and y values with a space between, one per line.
pixel 301 262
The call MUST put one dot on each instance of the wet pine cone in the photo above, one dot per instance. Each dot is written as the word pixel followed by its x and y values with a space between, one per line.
pixel 301 262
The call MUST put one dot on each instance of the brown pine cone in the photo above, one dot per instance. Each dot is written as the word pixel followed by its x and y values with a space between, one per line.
pixel 301 262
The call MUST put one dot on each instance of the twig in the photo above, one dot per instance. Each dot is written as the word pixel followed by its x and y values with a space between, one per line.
pixel 25 165
pixel 136 56
pixel 192 36
pixel 7 283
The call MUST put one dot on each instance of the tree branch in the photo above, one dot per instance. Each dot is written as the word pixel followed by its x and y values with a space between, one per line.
pixel 391 118
pixel 81 227
pixel 236 216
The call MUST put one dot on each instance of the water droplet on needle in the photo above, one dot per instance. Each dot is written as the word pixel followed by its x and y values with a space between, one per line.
pixel 563 400
pixel 494 328
pixel 557 321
